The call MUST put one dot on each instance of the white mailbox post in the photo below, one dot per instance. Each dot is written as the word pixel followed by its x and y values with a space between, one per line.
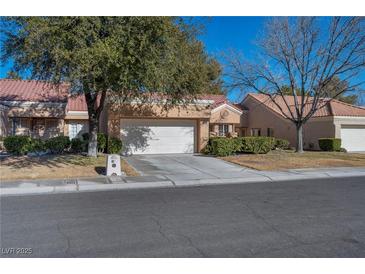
pixel 113 165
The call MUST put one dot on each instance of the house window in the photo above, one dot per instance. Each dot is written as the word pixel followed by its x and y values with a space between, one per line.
pixel 39 124
pixel 270 132
pixel 75 130
pixel 18 123
pixel 255 132
pixel 223 129
pixel 52 124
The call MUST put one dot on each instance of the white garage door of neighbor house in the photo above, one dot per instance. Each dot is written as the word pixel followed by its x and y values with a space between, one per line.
pixel 150 136
pixel 353 138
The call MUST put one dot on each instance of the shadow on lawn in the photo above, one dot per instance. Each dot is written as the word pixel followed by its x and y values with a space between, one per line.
pixel 100 170
pixel 50 161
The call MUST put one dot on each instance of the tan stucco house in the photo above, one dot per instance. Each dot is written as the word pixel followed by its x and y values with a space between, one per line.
pixel 38 109
pixel 335 119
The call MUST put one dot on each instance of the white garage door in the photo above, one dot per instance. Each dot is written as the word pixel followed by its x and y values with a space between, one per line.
pixel 353 138
pixel 150 136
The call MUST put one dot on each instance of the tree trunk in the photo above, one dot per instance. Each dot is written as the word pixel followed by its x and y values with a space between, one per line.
pixel 299 147
pixel 94 112
pixel 93 138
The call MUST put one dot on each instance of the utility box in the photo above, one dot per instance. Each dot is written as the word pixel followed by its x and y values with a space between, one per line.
pixel 113 167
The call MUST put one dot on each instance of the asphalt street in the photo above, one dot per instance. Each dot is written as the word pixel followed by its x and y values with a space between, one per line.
pixel 316 218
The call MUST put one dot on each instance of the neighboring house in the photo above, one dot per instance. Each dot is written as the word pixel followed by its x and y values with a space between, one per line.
pixel 3 120
pixel 40 110
pixel 335 120
pixel 76 118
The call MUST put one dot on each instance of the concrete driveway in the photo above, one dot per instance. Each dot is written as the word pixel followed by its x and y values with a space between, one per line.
pixel 181 167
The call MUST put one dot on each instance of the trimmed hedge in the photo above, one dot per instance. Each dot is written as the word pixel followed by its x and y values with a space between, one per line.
pixel 37 145
pixel 330 144
pixel 222 146
pixel 115 145
pixel 77 145
pixel 58 144
pixel 101 142
pixel 257 145
pixel 18 145
pixel 281 143
pixel 85 136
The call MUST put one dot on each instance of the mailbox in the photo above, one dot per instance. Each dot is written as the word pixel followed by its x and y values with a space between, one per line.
pixel 113 165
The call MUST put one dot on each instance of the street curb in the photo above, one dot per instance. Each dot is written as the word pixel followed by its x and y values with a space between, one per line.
pixel 9 191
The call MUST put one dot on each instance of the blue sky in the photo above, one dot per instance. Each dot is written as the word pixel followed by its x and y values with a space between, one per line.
pixel 228 32
pixel 231 32
pixel 222 33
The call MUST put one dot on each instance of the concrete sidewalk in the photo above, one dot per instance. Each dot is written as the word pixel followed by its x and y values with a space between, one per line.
pixel 101 183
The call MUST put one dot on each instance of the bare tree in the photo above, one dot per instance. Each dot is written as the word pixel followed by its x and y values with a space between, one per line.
pixel 302 54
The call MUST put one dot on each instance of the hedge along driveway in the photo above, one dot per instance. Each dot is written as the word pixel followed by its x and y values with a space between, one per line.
pixel 282 160
pixel 55 166
pixel 222 146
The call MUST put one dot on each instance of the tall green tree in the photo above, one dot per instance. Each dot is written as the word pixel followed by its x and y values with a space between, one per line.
pixel 118 57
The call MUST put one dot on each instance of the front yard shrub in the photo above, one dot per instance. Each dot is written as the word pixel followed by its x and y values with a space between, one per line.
pixel 329 144
pixel 281 144
pixel 208 148
pixel 85 136
pixel 58 144
pixel 115 145
pixel 222 146
pixel 77 145
pixel 101 142
pixel 37 145
pixel 18 145
pixel 257 145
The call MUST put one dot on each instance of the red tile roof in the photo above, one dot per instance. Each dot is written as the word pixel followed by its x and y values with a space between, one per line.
pixel 220 99
pixel 41 91
pixel 217 98
pixel 343 109
pixel 235 106
pixel 32 90
pixel 330 107
pixel 76 103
